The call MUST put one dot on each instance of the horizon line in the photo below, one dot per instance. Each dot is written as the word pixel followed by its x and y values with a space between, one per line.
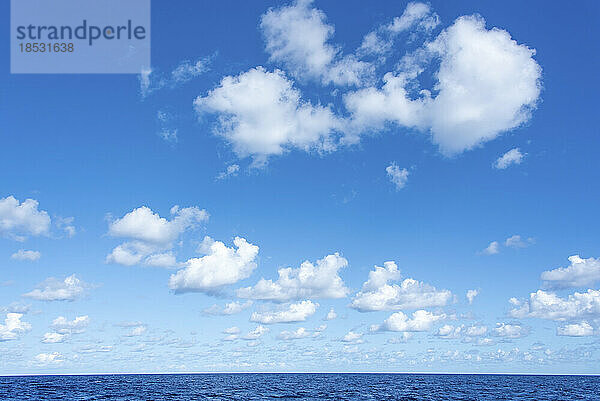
pixel 297 373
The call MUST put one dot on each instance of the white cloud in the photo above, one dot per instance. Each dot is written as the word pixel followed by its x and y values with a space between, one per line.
pixel 49 359
pixel 416 15
pixel 320 280
pixel 66 224
pixel 582 329
pixel 399 176
pixel 166 259
pixel 63 326
pixel 151 81
pixel 297 312
pixel 54 338
pixel 421 321
pixel 377 294
pixel 471 294
pixel 470 334
pixel 20 220
pixel 151 237
pixel 300 333
pixel 255 334
pixel 230 308
pixel 352 337
pixel 513 156
pixel 262 114
pixel 448 331
pixel 220 266
pixel 23 254
pixel 486 84
pixel 492 249
pixel 232 330
pixel 581 272
pixel 13 327
pixel 548 305
pixel 136 331
pixel 144 225
pixel 69 289
pixel 510 330
pixel 298 36
pixel 166 130
pixel 231 171
pixel 331 315
pixel 515 241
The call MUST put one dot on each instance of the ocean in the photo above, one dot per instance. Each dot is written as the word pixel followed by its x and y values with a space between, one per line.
pixel 300 387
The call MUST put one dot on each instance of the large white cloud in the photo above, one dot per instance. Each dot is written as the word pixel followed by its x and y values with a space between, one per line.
pixel 69 289
pixel 421 320
pixel 13 327
pixel 20 220
pixel 547 305
pixel 262 114
pixel 486 84
pixel 297 36
pixel 297 312
pixel 308 281
pixel 581 272
pixel 377 294
pixel 151 237
pixel 220 266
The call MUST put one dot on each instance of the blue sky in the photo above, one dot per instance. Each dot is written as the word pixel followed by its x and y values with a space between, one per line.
pixel 457 142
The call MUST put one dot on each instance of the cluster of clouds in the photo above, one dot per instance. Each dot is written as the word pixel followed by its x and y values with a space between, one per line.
pixel 150 239
pixel 22 220
pixel 63 329
pixel 52 289
pixel 579 312
pixel 514 241
pixel 380 292
pixel 485 84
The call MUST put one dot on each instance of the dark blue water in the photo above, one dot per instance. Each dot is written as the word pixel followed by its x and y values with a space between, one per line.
pixel 300 387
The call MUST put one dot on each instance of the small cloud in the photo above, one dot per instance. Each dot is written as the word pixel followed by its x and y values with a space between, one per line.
pixel 54 358
pixel 331 315
pixel 516 242
pixel 492 249
pixel 352 337
pixel 69 289
pixel 185 71
pixel 22 254
pixel 397 175
pixel 66 224
pixel 513 156
pixel 471 294
pixel 231 171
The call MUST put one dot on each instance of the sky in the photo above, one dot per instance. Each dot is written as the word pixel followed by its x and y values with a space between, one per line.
pixel 310 186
